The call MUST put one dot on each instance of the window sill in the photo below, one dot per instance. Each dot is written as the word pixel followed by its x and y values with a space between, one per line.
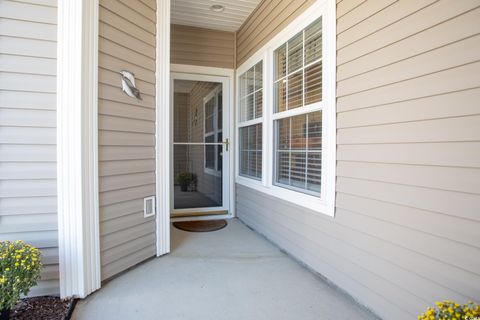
pixel 315 204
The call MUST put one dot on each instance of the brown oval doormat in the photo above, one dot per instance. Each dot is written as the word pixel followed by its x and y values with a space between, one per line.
pixel 201 226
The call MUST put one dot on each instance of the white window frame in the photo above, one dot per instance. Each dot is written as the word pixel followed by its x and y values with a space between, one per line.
pixel 213 94
pixel 325 204
pixel 247 123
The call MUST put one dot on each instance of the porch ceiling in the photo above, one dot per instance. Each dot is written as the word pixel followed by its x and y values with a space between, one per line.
pixel 197 13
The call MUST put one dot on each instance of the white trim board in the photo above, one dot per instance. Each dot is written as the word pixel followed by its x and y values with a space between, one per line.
pixel 77 148
pixel 163 147
pixel 226 77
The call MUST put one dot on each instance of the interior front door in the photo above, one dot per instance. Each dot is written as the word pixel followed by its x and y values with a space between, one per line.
pixel 200 148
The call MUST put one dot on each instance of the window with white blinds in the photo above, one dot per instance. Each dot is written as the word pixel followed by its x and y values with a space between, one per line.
pixel 250 122
pixel 298 85
pixel 286 120
pixel 299 152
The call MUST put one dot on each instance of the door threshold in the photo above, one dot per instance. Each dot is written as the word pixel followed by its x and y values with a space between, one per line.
pixel 198 214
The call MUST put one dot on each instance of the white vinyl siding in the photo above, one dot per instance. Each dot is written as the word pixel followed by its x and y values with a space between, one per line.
pixel 28 203
pixel 405 232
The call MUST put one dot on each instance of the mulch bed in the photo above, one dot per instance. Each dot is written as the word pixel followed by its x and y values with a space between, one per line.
pixel 44 308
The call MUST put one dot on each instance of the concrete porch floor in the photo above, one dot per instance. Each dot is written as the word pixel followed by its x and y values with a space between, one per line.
pixel 229 274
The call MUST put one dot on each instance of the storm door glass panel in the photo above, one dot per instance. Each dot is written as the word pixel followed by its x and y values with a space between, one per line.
pixel 197 145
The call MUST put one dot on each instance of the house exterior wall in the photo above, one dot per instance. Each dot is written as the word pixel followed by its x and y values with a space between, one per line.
pixel 202 47
pixel 28 203
pixel 270 17
pixel 126 133
pixel 405 232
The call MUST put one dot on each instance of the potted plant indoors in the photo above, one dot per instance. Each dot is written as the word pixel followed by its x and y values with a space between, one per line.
pixel 20 268
pixel 184 179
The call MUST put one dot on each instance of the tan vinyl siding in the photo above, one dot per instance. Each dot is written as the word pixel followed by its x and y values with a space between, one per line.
pixel 202 47
pixel 270 17
pixel 126 134
pixel 28 203
pixel 405 232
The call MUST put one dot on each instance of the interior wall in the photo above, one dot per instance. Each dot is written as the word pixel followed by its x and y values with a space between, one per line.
pixel 181 129
pixel 202 47
pixel 208 184
pixel 405 232
pixel 28 185
pixel 126 133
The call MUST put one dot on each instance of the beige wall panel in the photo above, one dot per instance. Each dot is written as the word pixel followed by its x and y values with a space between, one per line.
pixel 431 107
pixel 269 18
pixel 202 47
pixel 126 134
pixel 408 158
pixel 439 12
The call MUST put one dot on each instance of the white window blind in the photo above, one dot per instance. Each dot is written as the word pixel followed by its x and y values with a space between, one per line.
pixel 250 125
pixel 298 85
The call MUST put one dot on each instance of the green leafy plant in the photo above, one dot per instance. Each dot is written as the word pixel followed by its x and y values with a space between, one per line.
pixel 20 268
pixel 450 310
pixel 184 179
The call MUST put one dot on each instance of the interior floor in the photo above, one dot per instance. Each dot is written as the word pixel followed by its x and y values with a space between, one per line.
pixel 233 273
pixel 192 199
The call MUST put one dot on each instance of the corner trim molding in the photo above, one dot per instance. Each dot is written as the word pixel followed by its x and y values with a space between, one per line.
pixel 77 148
pixel 163 146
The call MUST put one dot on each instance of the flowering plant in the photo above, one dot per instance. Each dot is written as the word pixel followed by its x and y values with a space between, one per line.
pixel 19 271
pixel 450 310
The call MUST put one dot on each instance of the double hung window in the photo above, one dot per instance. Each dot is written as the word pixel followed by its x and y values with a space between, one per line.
pixel 286 113
pixel 297 112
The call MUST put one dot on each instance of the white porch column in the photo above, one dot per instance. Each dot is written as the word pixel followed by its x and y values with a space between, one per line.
pixel 77 147
pixel 163 147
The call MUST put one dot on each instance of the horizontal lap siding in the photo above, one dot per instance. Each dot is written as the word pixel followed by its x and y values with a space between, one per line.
pixel 202 47
pixel 405 232
pixel 270 17
pixel 126 134
pixel 28 204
